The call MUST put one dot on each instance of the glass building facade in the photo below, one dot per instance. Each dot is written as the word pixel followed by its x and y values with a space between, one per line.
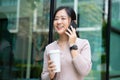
pixel 29 22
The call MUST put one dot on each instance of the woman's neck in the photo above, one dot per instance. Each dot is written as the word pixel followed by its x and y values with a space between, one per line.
pixel 63 39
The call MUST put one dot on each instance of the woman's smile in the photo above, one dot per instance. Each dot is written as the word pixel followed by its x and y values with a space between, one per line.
pixel 60 27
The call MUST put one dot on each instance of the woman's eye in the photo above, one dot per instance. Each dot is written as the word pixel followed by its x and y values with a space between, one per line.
pixel 63 18
pixel 55 19
pixel 60 18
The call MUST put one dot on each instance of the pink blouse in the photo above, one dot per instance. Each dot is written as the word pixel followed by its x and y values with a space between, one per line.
pixel 71 68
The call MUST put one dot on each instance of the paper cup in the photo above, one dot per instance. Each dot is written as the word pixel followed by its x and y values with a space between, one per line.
pixel 55 57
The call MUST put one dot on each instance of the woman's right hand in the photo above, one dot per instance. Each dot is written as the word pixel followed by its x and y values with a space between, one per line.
pixel 51 69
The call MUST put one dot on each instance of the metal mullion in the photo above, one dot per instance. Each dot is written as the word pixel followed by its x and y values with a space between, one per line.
pixel 51 21
pixel 115 30
pixel 108 40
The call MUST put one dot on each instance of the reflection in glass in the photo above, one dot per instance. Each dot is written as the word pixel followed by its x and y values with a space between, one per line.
pixel 31 35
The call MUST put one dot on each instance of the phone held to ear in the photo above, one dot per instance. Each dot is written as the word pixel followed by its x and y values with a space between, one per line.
pixel 73 24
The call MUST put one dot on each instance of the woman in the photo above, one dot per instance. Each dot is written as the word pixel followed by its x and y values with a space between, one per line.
pixel 75 52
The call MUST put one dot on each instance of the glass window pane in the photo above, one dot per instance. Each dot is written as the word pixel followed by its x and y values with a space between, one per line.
pixel 28 21
pixel 89 15
pixel 114 40
pixel 114 53
pixel 115 13
pixel 90 27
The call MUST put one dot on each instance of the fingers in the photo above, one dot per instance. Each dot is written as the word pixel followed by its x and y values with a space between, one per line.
pixel 67 33
pixel 51 69
pixel 51 66
pixel 70 31
pixel 73 29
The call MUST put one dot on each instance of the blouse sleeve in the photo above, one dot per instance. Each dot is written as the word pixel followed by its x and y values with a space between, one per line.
pixel 82 62
pixel 45 73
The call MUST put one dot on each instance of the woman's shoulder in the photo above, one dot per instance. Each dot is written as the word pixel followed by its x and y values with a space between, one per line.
pixel 82 41
pixel 53 44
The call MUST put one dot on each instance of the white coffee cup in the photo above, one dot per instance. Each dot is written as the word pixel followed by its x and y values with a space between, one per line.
pixel 55 57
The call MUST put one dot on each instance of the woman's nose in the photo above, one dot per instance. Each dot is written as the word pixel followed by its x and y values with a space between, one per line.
pixel 59 21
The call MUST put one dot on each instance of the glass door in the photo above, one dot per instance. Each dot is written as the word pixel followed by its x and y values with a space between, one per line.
pixel 31 38
pixel 91 22
pixel 114 41
pixel 28 21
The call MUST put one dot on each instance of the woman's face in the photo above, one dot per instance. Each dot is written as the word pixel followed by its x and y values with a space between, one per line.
pixel 61 21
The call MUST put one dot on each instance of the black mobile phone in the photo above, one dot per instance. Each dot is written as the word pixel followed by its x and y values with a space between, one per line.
pixel 73 24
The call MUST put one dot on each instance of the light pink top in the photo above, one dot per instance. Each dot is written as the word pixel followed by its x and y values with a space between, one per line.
pixel 71 68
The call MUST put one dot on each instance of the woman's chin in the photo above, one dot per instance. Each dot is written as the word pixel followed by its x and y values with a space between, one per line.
pixel 61 33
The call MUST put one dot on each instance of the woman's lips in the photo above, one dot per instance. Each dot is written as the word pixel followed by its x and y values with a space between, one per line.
pixel 60 27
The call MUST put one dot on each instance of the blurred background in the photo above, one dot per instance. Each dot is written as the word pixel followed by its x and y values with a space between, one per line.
pixel 30 23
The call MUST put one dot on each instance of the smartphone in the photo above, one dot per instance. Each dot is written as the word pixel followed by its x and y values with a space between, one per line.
pixel 73 24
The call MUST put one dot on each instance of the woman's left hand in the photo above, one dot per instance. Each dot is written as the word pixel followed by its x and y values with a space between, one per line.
pixel 71 32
